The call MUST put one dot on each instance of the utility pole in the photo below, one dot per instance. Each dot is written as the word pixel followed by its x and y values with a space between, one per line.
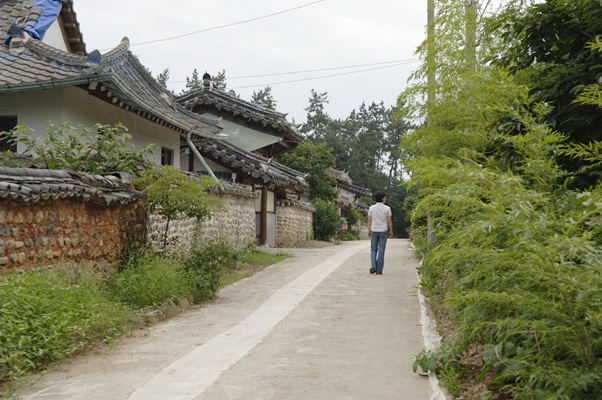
pixel 471 33
pixel 431 94
pixel 430 57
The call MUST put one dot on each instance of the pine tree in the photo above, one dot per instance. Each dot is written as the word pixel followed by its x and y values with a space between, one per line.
pixel 264 98
pixel 163 77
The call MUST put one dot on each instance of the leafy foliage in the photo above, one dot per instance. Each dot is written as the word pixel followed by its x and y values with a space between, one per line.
pixel 172 194
pixel 47 316
pixel 264 98
pixel 100 149
pixel 516 260
pixel 148 280
pixel 314 159
pixel 547 46
pixel 163 77
pixel 206 264
pixel 327 220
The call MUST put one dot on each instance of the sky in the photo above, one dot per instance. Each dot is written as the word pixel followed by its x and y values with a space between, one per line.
pixel 356 51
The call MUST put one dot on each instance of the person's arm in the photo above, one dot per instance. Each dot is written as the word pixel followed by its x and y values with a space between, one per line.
pixel 390 223
pixel 369 225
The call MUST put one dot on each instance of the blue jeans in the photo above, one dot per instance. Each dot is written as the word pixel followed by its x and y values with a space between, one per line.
pixel 378 242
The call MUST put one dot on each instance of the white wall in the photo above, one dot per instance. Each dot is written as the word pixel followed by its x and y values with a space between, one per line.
pixel 54 37
pixel 245 138
pixel 76 106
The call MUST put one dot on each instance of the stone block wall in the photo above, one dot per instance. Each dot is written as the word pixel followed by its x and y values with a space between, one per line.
pixel 235 223
pixel 66 230
pixel 294 222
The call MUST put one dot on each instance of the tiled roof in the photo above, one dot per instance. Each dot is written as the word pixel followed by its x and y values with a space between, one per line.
pixel 345 182
pixel 27 185
pixel 257 168
pixel 68 20
pixel 208 97
pixel 340 176
pixel 116 77
pixel 357 190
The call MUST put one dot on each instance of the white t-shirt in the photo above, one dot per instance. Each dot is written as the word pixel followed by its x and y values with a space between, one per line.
pixel 379 213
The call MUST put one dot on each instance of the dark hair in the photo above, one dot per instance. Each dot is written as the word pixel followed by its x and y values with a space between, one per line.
pixel 379 196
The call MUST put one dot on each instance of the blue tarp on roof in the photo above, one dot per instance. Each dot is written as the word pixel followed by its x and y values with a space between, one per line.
pixel 50 12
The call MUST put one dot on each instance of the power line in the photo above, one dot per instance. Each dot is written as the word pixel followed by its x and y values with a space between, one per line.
pixel 228 25
pixel 321 69
pixel 324 76
pixel 395 62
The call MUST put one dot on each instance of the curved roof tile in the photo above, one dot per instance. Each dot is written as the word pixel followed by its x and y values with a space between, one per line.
pixel 28 185
pixel 208 96
pixel 118 77
pixel 253 165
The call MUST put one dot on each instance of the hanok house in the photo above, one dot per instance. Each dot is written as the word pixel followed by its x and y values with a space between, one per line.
pixel 255 135
pixel 46 74
pixel 349 194
pixel 53 78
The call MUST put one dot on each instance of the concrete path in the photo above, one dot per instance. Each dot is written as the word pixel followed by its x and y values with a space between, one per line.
pixel 315 326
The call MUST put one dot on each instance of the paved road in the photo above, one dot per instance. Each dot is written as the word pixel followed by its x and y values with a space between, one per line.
pixel 315 326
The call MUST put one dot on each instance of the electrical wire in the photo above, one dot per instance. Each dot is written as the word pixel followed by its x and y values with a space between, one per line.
pixel 324 76
pixel 230 78
pixel 395 63
pixel 228 25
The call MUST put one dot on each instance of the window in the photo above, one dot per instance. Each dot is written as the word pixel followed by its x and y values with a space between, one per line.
pixel 166 156
pixel 7 124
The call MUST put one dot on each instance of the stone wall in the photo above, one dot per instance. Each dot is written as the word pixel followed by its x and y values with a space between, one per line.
pixel 294 222
pixel 235 223
pixel 66 230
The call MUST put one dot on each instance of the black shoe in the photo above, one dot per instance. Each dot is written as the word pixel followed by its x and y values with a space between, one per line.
pixel 372 271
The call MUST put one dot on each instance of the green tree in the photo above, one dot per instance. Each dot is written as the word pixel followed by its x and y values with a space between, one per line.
pixel 194 82
pixel 315 160
pixel 545 46
pixel 163 77
pixel 264 98
pixel 173 195
pixel 317 121
pixel 219 80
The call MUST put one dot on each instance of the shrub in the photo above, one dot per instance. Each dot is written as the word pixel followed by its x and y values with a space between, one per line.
pixel 172 195
pixel 349 235
pixel 99 149
pixel 148 280
pixel 45 317
pixel 204 267
pixel 326 221
pixel 351 215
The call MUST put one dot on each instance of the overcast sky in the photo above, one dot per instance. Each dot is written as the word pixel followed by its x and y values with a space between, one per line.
pixel 337 37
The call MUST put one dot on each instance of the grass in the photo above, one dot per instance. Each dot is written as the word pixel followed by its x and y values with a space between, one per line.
pixel 248 264
pixel 48 316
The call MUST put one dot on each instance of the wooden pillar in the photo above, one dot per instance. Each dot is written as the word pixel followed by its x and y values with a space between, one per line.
pixel 264 216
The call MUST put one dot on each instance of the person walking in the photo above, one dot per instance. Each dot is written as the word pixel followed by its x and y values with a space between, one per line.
pixel 380 227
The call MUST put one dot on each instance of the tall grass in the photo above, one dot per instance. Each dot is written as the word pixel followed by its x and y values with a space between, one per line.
pixel 45 317
pixel 148 280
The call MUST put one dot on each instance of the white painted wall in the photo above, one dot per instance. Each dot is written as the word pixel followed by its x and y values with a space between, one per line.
pixel 76 106
pixel 54 37
pixel 245 138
